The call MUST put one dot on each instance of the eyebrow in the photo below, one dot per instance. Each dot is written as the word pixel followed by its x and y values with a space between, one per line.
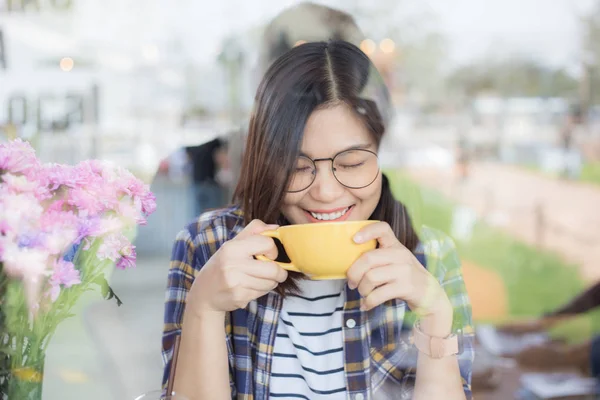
pixel 365 146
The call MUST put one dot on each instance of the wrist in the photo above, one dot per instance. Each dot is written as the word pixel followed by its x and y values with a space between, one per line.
pixel 438 323
pixel 199 309
pixel 203 317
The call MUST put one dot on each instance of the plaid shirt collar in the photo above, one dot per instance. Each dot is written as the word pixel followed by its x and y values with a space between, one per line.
pixel 376 344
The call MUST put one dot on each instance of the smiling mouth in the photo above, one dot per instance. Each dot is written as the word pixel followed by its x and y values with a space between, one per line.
pixel 333 216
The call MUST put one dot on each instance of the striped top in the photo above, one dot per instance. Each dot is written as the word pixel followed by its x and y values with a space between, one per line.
pixel 308 354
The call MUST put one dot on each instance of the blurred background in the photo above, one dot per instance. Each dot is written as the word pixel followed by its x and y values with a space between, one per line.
pixel 496 141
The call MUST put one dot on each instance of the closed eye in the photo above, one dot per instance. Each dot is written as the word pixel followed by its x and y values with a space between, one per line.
pixel 303 169
pixel 350 166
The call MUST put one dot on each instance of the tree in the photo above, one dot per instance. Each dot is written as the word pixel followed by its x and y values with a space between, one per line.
pixel 590 57
pixel 512 77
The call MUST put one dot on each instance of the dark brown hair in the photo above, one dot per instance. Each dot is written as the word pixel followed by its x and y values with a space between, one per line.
pixel 308 77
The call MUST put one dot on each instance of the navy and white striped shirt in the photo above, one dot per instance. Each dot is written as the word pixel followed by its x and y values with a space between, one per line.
pixel 308 355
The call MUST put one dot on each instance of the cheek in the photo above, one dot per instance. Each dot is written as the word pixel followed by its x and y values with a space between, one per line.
pixel 371 193
pixel 292 199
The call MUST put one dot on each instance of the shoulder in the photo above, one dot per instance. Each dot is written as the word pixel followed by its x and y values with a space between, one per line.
pixel 216 225
pixel 439 250
pixel 435 241
pixel 203 236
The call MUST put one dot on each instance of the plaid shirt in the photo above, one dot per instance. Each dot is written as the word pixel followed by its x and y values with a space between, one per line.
pixel 377 351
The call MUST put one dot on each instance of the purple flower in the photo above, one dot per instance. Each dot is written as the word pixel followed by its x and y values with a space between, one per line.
pixel 88 227
pixel 128 258
pixel 64 274
pixel 30 240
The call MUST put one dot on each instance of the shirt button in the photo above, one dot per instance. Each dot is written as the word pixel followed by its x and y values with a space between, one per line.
pixel 359 396
pixel 350 323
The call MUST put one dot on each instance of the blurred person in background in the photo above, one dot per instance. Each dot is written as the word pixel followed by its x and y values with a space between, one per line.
pixel 326 101
pixel 583 356
pixel 571 157
pixel 211 174
pixel 304 22
pixel 463 156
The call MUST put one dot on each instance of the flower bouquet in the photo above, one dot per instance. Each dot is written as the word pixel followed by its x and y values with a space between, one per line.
pixel 61 227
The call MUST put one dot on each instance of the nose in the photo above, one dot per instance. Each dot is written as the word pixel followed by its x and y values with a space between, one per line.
pixel 326 188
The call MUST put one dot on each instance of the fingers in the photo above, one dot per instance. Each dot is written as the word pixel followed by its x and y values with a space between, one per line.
pixel 369 260
pixel 251 246
pixel 259 284
pixel 379 296
pixel 376 277
pixel 380 231
pixel 254 228
pixel 265 270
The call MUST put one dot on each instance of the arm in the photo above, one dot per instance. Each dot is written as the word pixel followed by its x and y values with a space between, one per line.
pixel 208 279
pixel 207 377
pixel 448 377
pixel 436 294
pixel 586 301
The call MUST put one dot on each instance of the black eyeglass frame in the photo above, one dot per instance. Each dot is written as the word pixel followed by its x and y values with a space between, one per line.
pixel 332 159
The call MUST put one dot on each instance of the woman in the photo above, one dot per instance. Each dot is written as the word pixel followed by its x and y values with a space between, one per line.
pixel 319 116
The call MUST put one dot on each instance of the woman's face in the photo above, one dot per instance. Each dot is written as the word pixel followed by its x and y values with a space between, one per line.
pixel 328 132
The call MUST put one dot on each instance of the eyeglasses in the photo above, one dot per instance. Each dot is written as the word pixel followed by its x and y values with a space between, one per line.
pixel 354 169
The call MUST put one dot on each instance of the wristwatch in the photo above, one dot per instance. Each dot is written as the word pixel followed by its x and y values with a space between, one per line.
pixel 436 347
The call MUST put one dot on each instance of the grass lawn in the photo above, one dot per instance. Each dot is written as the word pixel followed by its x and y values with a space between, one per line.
pixel 536 281
pixel 591 173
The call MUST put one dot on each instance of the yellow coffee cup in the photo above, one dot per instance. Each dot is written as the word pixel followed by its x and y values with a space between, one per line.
pixel 322 250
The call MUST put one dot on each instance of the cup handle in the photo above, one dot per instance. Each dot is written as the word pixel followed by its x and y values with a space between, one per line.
pixel 287 266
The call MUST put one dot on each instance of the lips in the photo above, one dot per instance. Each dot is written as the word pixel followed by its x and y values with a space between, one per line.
pixel 334 215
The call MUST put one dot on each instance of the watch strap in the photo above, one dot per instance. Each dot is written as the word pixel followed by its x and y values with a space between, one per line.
pixel 435 347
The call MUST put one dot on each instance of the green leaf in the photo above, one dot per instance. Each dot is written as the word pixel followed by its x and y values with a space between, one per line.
pixel 106 290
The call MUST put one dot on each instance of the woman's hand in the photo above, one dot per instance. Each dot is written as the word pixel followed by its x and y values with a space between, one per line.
pixel 392 272
pixel 232 277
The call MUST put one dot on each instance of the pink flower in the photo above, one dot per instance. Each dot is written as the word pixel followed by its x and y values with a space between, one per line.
pixel 86 201
pixel 58 175
pixel 111 246
pixel 19 212
pixel 19 183
pixel 148 203
pixel 129 210
pixel 128 258
pixel 94 166
pixel 110 224
pixel 64 274
pixel 60 229
pixel 17 156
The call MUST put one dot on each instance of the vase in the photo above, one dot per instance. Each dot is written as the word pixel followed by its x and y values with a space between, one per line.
pixel 23 383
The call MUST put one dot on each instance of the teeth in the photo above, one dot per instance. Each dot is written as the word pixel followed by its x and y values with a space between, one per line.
pixel 330 216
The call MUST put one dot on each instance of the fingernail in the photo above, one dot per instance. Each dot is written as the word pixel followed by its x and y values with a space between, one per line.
pixel 358 238
pixel 351 285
